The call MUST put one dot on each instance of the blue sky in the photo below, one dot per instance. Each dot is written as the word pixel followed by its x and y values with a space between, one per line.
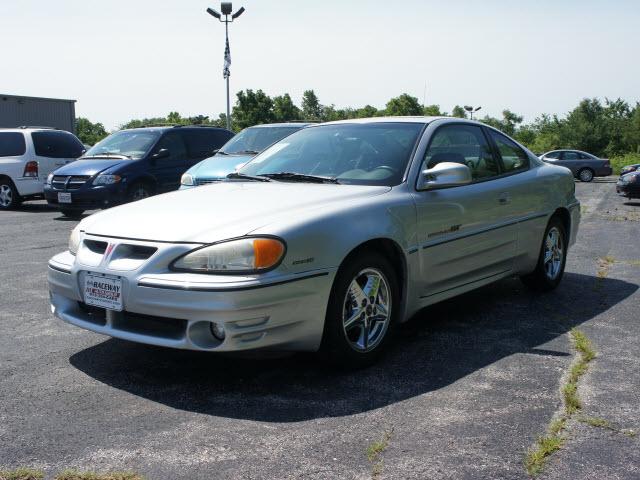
pixel 141 58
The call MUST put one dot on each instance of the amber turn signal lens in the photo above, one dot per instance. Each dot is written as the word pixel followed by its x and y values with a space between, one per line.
pixel 267 252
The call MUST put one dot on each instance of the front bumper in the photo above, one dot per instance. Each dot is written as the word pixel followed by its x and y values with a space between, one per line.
pixel 87 198
pixel 630 190
pixel 169 309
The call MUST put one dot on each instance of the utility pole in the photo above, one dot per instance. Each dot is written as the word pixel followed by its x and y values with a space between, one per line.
pixel 227 10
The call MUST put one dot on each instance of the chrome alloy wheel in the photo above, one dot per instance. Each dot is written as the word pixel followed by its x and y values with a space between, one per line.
pixel 366 311
pixel 586 175
pixel 6 195
pixel 553 253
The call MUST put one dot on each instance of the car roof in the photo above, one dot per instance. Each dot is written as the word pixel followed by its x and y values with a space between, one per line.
pixel 30 129
pixel 398 119
pixel 163 128
pixel 283 124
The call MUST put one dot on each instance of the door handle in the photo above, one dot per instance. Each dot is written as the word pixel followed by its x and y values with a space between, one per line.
pixel 504 198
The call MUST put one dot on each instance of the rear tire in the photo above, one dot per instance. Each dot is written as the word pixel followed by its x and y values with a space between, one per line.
pixel 552 259
pixel 75 214
pixel 586 175
pixel 357 329
pixel 9 196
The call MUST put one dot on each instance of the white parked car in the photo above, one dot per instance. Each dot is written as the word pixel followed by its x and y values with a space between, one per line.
pixel 27 156
pixel 324 241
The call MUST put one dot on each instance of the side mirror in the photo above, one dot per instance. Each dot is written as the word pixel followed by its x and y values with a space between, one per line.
pixel 162 153
pixel 445 174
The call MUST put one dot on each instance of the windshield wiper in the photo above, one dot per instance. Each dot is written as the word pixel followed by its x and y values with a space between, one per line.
pixel 300 177
pixel 221 152
pixel 108 154
pixel 244 176
pixel 246 152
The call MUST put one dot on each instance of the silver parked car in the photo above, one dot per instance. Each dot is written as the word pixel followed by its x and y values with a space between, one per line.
pixel 325 241
pixel 583 165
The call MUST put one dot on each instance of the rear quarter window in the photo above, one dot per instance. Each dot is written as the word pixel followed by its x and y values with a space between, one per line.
pixel 514 158
pixel 202 143
pixel 56 144
pixel 12 144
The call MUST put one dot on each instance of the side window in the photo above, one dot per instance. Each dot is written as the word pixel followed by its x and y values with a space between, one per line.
pixel 202 143
pixel 56 145
pixel 12 144
pixel 465 144
pixel 173 142
pixel 585 156
pixel 553 155
pixel 513 157
pixel 570 156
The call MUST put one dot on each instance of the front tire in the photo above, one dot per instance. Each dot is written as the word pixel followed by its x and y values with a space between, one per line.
pixel 362 311
pixel 585 175
pixel 9 196
pixel 552 259
pixel 139 191
pixel 75 214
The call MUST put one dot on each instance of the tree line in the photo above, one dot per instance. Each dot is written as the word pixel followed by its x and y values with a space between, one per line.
pixel 609 128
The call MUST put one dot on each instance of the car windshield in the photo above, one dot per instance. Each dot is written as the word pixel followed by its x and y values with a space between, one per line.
pixel 129 143
pixel 256 139
pixel 353 153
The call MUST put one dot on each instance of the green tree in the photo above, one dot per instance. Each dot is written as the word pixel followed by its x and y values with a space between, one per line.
pixel 432 110
pixel 403 105
pixel 311 108
pixel 459 112
pixel 89 133
pixel 367 111
pixel 507 124
pixel 284 110
pixel 632 130
pixel 584 128
pixel 252 108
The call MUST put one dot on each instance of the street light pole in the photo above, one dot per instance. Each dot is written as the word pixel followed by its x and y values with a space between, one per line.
pixel 226 9
pixel 471 110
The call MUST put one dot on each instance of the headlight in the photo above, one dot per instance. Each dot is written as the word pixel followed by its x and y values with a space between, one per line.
pixel 243 255
pixel 106 179
pixel 187 179
pixel 50 178
pixel 74 240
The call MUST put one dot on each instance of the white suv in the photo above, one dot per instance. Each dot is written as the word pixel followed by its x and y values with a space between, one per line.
pixel 27 156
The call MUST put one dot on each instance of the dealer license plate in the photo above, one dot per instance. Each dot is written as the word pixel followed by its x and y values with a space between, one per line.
pixel 64 197
pixel 105 292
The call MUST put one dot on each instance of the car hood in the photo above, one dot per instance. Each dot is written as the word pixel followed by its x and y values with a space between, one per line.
pixel 218 166
pixel 220 211
pixel 89 166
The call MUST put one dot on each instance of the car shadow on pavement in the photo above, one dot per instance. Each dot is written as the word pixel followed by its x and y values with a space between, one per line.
pixel 440 345
pixel 35 207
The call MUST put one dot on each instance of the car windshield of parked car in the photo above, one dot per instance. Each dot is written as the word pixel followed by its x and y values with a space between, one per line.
pixel 256 139
pixel 131 144
pixel 364 154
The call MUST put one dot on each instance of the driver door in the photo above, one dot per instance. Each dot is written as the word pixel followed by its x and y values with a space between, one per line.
pixel 167 169
pixel 464 230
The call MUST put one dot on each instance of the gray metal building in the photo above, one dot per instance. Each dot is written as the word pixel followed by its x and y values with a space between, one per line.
pixel 16 111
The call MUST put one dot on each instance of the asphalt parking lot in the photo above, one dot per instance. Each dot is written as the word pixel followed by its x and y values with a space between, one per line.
pixel 466 389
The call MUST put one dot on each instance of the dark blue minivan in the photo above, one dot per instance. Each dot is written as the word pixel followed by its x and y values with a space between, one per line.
pixel 130 165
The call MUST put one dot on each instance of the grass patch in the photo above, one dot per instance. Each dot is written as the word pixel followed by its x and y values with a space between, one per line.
pixel 538 455
pixel 605 424
pixel 375 450
pixel 76 475
pixel 21 474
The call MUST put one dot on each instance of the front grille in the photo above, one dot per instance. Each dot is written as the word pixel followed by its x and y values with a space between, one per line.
pixel 206 181
pixel 69 182
pixel 95 315
pixel 153 326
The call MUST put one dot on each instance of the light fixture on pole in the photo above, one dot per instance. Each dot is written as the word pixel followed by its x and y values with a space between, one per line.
pixel 471 110
pixel 227 10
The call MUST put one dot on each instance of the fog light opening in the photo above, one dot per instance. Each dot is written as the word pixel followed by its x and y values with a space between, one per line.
pixel 217 330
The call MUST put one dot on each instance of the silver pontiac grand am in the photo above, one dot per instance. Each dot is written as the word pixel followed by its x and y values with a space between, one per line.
pixel 325 241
